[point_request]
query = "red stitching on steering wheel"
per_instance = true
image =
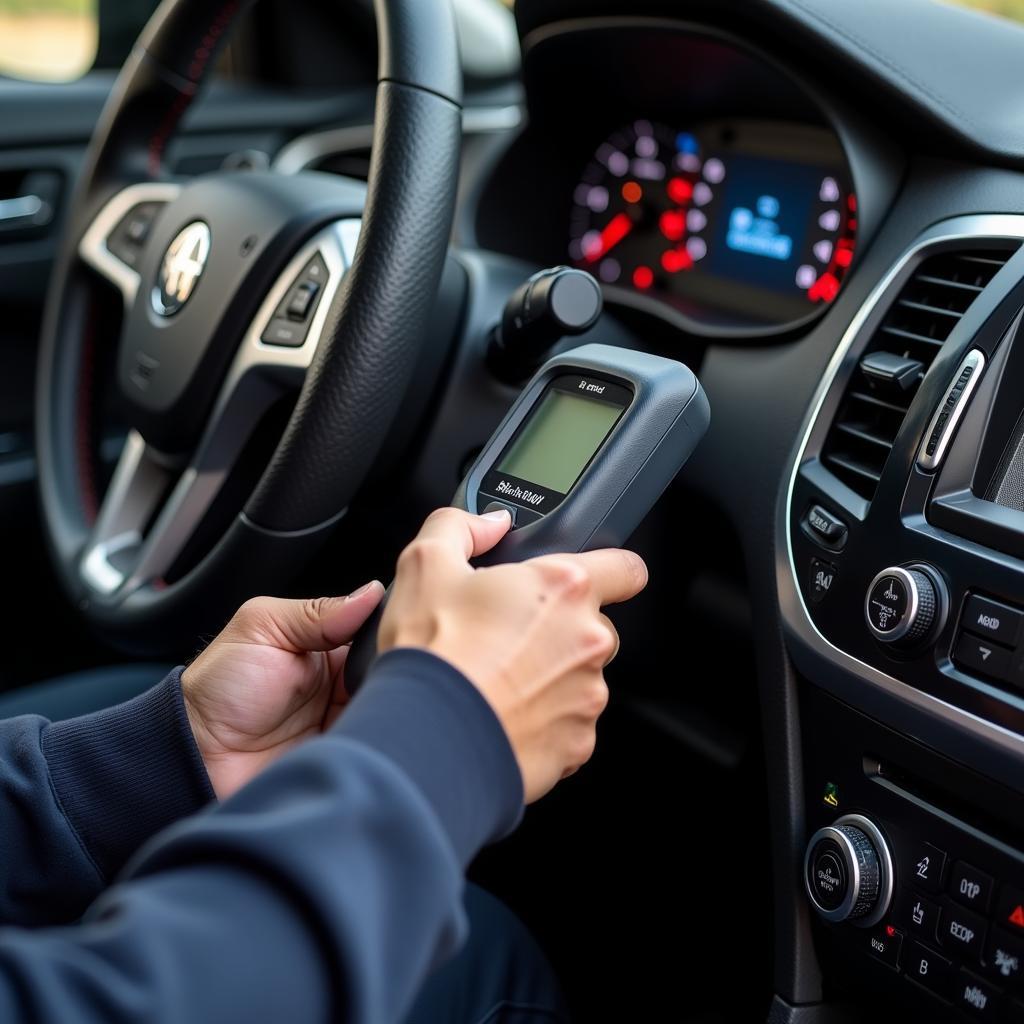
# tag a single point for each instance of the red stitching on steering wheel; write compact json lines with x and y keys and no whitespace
{"x":197,"y":68}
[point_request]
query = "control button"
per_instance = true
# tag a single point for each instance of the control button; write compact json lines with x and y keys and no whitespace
{"x":1004,"y":958}
{"x":919,"y":914}
{"x":500,"y":506}
{"x":901,"y":605}
{"x":848,"y":871}
{"x":929,"y":968}
{"x":984,"y":656}
{"x":284,"y":332}
{"x":301,"y":299}
{"x":1010,"y":909}
{"x":974,"y":995}
{"x":820,"y":579}
{"x":963,"y":931}
{"x":126,"y":240}
{"x":971,"y":887}
{"x":924,"y":867}
{"x":884,"y":945}
{"x":821,"y":526}
{"x":992,"y":620}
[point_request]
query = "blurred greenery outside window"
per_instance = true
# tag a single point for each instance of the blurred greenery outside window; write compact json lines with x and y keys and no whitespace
{"x":60,"y":40}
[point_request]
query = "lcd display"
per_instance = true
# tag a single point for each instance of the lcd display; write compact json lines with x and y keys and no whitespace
{"x":559,"y":439}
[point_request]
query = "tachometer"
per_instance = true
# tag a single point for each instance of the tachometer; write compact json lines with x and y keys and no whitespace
{"x":638,"y":214}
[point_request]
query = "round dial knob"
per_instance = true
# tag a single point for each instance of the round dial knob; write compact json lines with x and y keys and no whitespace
{"x":848,"y":871}
{"x":902,"y":605}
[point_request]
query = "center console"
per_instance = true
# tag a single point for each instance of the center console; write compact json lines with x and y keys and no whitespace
{"x":903,"y":600}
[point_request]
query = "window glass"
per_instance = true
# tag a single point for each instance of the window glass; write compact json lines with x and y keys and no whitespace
{"x":48,"y":40}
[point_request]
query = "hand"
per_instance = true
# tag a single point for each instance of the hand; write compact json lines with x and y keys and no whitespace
{"x":530,"y":636}
{"x":272,"y":678}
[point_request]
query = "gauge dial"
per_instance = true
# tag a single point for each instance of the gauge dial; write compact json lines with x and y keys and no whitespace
{"x":638,"y":214}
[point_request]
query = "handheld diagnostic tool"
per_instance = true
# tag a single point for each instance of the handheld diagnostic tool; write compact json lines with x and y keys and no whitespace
{"x":580,"y":458}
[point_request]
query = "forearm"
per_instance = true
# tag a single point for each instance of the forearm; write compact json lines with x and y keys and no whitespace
{"x":326,"y":889}
{"x":78,"y":798}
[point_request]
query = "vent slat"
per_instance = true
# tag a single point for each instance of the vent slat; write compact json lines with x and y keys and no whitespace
{"x":922,"y":316}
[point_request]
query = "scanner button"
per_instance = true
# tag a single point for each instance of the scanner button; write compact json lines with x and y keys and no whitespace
{"x":498,"y":506}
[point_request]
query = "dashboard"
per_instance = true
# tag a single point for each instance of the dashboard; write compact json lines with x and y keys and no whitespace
{"x":753,"y":218}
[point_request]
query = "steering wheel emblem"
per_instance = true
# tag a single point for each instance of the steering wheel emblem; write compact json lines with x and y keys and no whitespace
{"x":182,"y":266}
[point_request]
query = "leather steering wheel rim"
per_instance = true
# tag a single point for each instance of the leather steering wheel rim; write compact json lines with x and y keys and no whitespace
{"x":362,"y":365}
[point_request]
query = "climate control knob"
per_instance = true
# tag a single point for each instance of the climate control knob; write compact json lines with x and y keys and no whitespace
{"x":902,"y":605}
{"x":848,"y":871}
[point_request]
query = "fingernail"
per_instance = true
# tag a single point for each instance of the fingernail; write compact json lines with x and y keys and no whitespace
{"x":499,"y":515}
{"x":363,"y":589}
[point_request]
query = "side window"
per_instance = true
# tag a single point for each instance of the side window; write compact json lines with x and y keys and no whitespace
{"x":60,"y":40}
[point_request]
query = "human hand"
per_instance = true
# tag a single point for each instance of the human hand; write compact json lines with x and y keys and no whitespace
{"x":273,"y":677}
{"x":530,"y":635}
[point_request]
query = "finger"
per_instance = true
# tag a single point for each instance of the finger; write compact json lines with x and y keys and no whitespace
{"x":465,"y":533}
{"x":617,"y":574}
{"x":618,"y":640}
{"x":314,"y":624}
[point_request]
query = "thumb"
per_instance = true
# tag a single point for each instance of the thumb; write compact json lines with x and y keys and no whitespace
{"x":313,"y":624}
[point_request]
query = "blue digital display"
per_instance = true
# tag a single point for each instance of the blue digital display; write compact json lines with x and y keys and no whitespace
{"x":763,"y":218}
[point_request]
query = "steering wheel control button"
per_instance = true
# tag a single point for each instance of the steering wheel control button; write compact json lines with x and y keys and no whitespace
{"x":901,"y":606}
{"x":992,"y":620}
{"x":848,"y":872}
{"x":975,"y":996}
{"x":984,"y":657}
{"x":884,"y":944}
{"x":963,"y":931}
{"x":131,"y":232}
{"x":284,"y":332}
{"x":820,"y":578}
{"x":824,"y":528}
{"x":928,"y":968}
{"x":500,"y":506}
{"x":301,"y":299}
{"x":925,"y":867}
{"x":971,"y":887}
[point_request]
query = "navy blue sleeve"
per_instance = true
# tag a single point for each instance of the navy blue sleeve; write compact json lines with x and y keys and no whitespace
{"x":78,"y":798}
{"x":326,"y":889}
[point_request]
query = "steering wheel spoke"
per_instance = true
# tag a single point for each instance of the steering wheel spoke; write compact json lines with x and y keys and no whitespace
{"x":114,"y":242}
{"x":155,"y":503}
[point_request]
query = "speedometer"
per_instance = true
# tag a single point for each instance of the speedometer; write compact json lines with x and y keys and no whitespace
{"x":638,"y":214}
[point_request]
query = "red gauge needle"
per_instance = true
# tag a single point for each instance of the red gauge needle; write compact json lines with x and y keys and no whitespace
{"x":614,"y":232}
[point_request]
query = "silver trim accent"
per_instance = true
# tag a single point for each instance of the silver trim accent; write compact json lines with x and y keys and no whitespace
{"x":92,"y":249}
{"x":886,"y":874}
{"x":976,"y":359}
{"x":912,"y":609}
{"x":306,"y":150}
{"x":256,"y":377}
{"x":793,"y":607}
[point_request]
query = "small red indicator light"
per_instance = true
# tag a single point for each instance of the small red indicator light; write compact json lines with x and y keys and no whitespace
{"x":643,"y":278}
{"x":890,"y":931}
{"x":632,"y":192}
{"x":673,"y":225}
{"x":1017,"y":917}
{"x":679,"y":190}
{"x":674,"y":260}
{"x":825,"y":289}
{"x":844,"y":257}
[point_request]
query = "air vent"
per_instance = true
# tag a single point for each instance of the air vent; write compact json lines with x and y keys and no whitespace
{"x":906,"y":343}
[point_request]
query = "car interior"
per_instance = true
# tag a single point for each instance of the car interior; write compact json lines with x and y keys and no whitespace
{"x":253,"y":287}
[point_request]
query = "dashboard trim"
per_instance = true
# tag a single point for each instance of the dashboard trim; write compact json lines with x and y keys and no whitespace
{"x":793,"y":607}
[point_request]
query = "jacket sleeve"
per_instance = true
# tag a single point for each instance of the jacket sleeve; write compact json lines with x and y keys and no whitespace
{"x":326,"y":889}
{"x":78,"y":798}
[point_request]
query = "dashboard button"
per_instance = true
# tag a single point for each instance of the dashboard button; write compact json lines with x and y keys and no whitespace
{"x":992,"y":620}
{"x":1004,"y":958}
{"x":919,"y":914}
{"x":984,"y":656}
{"x":975,"y":996}
{"x":884,"y":944}
{"x":924,"y":866}
{"x":971,"y":887}
{"x":963,"y":931}
{"x":500,"y":506}
{"x":284,"y":332}
{"x":929,"y":968}
{"x":820,"y":578}
{"x":824,"y":527}
{"x":1010,"y":909}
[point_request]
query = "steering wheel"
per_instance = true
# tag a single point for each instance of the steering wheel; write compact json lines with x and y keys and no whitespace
{"x":236,"y":288}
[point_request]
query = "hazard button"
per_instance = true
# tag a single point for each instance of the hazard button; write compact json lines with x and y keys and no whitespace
{"x":1010,"y":908}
